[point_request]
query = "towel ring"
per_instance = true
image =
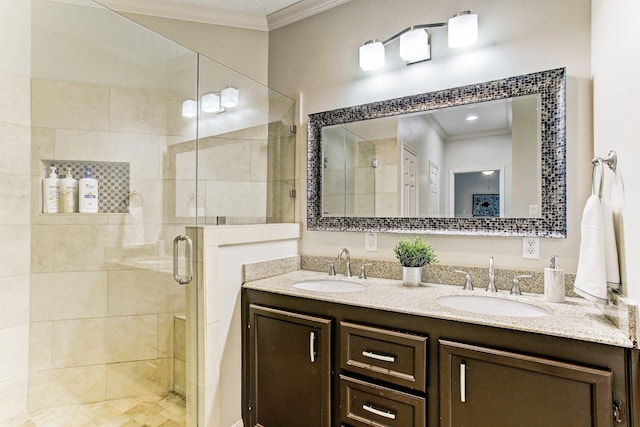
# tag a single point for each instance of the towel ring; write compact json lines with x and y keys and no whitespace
{"x":135,"y":195}
{"x":612,"y":161}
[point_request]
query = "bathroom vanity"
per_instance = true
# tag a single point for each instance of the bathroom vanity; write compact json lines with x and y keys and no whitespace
{"x":391,"y":356}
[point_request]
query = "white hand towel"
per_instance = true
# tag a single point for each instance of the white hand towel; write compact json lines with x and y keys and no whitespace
{"x":612,"y":267}
{"x":591,"y":282}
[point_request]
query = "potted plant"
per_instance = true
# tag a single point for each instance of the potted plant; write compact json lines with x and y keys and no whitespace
{"x":414,"y":254}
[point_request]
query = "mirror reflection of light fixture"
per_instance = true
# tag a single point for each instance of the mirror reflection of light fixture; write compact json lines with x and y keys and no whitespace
{"x":487,"y":172}
{"x":471,"y":117}
{"x":189,"y":108}
{"x":414,"y":41}
{"x":210,"y":103}
{"x":229,"y":97}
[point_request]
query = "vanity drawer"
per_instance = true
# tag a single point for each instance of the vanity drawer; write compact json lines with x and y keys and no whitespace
{"x":396,"y":357}
{"x":364,"y":404}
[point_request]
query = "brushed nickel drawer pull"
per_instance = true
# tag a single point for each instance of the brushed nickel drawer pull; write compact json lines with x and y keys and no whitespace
{"x":312,"y":347}
{"x":382,"y":357}
{"x":385,"y":414}
{"x":463,"y":382}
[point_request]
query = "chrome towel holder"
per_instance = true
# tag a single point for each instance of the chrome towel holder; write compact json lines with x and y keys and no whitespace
{"x":612,"y":161}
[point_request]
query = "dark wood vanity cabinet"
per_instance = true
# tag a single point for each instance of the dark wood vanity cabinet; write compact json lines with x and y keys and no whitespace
{"x":380,"y":368}
{"x":289,"y":368}
{"x":482,"y":386}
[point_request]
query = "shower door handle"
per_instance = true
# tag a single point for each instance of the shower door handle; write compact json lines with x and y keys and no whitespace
{"x":188,"y":249}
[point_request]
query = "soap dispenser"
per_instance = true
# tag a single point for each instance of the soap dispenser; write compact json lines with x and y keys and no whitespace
{"x":554,"y":281}
{"x":50,"y":195}
{"x":68,"y":193}
{"x":88,"y":193}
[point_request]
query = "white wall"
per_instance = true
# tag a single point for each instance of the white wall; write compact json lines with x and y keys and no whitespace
{"x":616,"y":67}
{"x":319,"y":57}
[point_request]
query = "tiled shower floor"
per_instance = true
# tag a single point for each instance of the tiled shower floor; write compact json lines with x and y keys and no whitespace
{"x":155,"y":410}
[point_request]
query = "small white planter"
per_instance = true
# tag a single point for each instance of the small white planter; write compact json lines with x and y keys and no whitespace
{"x":411,"y":276}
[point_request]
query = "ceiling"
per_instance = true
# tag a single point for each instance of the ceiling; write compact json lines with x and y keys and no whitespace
{"x":261,"y":15}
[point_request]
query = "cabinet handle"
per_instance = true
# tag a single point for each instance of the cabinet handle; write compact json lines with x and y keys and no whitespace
{"x":463,"y":382}
{"x":312,"y":347}
{"x":385,"y":414}
{"x":382,"y":357}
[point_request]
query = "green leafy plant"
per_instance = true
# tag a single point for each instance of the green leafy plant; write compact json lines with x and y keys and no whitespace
{"x":414,"y":252}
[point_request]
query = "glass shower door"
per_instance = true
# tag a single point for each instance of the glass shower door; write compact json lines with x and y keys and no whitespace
{"x":112,"y":333}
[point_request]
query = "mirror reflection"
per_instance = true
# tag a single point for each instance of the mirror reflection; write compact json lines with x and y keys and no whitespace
{"x":416,"y":164}
{"x":475,"y":160}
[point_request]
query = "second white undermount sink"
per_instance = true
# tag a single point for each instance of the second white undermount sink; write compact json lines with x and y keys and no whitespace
{"x":493,"y":306}
{"x":329,"y":286}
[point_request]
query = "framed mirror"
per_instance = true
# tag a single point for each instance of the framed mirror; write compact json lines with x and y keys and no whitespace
{"x":482,"y":159}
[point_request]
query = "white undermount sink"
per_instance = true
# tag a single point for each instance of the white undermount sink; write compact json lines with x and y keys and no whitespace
{"x":329,"y":286}
{"x":493,"y":306}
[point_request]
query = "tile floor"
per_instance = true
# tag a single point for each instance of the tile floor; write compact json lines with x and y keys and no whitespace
{"x":156,"y":410}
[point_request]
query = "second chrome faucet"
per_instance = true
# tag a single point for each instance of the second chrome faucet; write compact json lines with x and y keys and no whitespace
{"x":345,"y":251}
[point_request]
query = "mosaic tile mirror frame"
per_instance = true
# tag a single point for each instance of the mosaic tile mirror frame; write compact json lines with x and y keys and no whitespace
{"x":549,"y":85}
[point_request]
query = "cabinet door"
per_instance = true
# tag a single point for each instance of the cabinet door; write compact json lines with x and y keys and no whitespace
{"x":483,"y":387}
{"x":290,"y":369}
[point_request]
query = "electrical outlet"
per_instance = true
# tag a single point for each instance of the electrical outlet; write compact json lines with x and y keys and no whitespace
{"x":531,"y":248}
{"x":371,"y":242}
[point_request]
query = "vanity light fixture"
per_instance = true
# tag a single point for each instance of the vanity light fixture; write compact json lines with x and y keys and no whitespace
{"x":229,"y":97}
{"x":189,"y":108}
{"x":212,"y":102}
{"x":414,"y":41}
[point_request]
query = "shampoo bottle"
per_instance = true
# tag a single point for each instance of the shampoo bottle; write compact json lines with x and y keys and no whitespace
{"x":68,"y":193}
{"x":554,"y":281}
{"x":88,"y":193}
{"x":50,"y":197}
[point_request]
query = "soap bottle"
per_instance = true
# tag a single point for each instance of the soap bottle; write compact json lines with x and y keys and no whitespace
{"x":50,"y":195}
{"x":68,"y":193}
{"x":88,"y":193}
{"x":554,"y":281}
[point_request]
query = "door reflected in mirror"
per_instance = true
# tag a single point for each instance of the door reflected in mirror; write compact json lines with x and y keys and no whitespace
{"x":434,"y":163}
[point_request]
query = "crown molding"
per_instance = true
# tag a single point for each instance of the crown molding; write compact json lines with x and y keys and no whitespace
{"x":208,"y":15}
{"x":299,"y":11}
{"x":195,"y":13}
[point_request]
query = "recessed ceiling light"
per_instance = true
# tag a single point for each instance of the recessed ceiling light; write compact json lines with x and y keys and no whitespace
{"x":471,"y":117}
{"x":487,"y":173}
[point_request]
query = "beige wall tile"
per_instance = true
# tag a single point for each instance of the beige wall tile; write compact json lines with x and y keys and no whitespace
{"x":42,"y":248}
{"x":65,"y":105}
{"x":136,"y":378}
{"x":69,"y":386}
{"x":229,"y":162}
{"x":14,"y":396}
{"x":236,"y":198}
{"x":166,"y":331}
{"x":15,"y":99}
{"x":78,"y":342}
{"x":14,"y":257}
{"x":179,"y":377}
{"x":15,"y":199}
{"x":40,"y":347}
{"x":144,"y":152}
{"x":15,"y":142}
{"x":259,"y":160}
{"x":42,"y":147}
{"x":131,"y":338}
{"x":143,"y":291}
{"x":138,"y":110}
{"x":14,"y":293}
{"x":14,"y":351}
{"x":60,"y":296}
{"x":82,"y":247}
{"x":179,"y":341}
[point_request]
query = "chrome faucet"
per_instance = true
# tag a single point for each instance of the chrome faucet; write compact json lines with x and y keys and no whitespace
{"x":491,"y":287}
{"x":347,"y":271}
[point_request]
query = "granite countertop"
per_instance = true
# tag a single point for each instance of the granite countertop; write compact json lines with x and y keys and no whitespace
{"x":576,"y":318}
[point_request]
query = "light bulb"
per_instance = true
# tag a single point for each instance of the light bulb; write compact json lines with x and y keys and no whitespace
{"x":372,"y":55}
{"x":463,"y":29}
